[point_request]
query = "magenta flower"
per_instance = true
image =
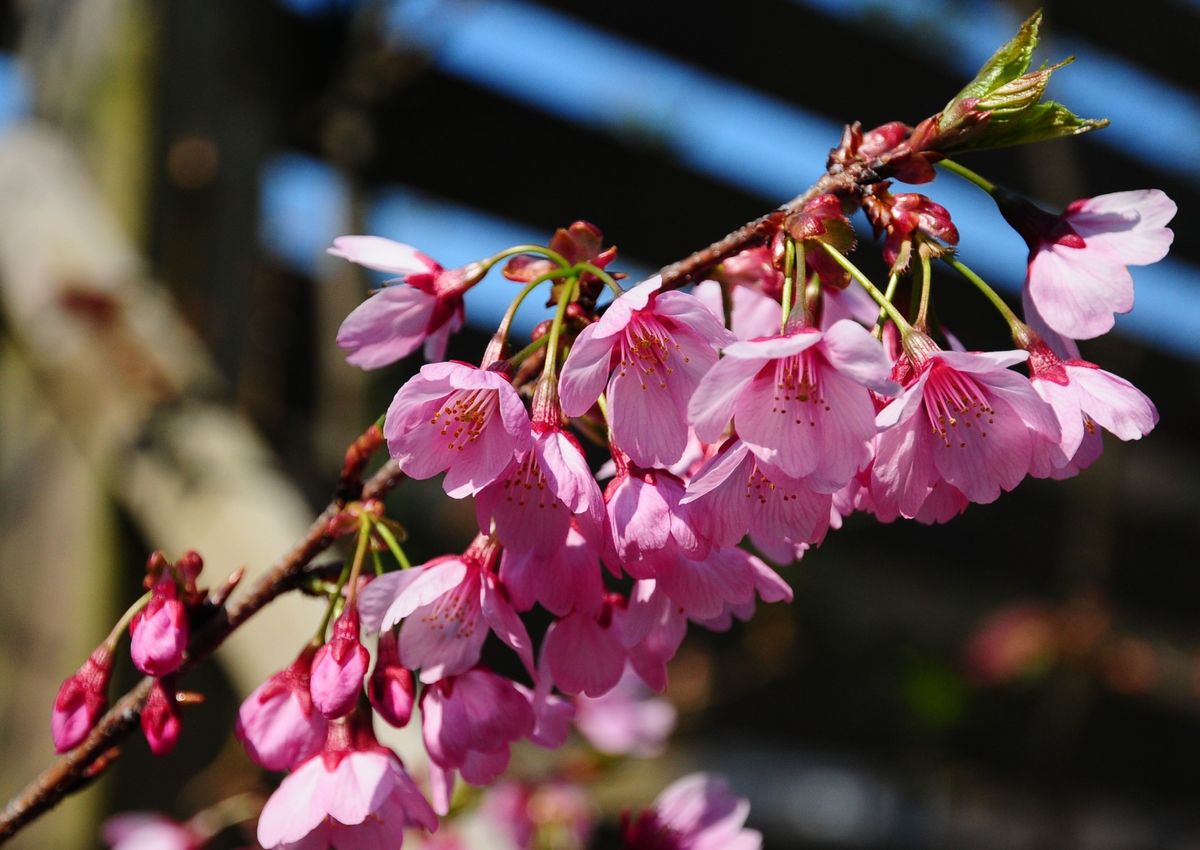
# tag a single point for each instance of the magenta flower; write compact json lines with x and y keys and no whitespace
{"x":754,"y":314}
{"x":583,"y":652}
{"x":1078,"y":276}
{"x":1083,"y":396}
{"x":697,"y":812}
{"x":354,"y":794}
{"x":734,"y":493}
{"x":799,"y":401}
{"x":628,"y":720}
{"x":339,"y":667}
{"x":652,"y":629}
{"x":161,"y":723}
{"x":769,"y":586}
{"x":159,"y":632}
{"x":533,"y":503}
{"x":148,"y":831}
{"x":565,"y":580}
{"x":651,"y":350}
{"x":81,"y":699}
{"x":447,"y":607}
{"x":965,"y":419}
{"x":277,"y":723}
{"x":468,"y":722}
{"x":454,"y":417}
{"x":648,"y":527}
{"x":390,"y":688}
{"x":424,"y":306}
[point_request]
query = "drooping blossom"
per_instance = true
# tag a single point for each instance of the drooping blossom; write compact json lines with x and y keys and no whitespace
{"x":339,"y":667}
{"x":648,"y":527}
{"x":769,"y":587}
{"x":650,"y":348}
{"x":734,"y":493}
{"x":565,"y":580}
{"x":457,"y":418}
{"x":161,"y":723}
{"x":964,"y":418}
{"x":159,"y":632}
{"x":447,"y":606}
{"x":1083,"y":396}
{"x":533,"y":503}
{"x":353,"y":794}
{"x":425,"y":304}
{"x":582,"y":651}
{"x":467,"y":724}
{"x":628,"y":720}
{"x":81,"y":700}
{"x":1077,"y":275}
{"x":148,"y":831}
{"x":552,"y":813}
{"x":278,"y":724}
{"x":697,"y":812}
{"x":652,"y":628}
{"x":391,"y":689}
{"x":753,"y":313}
{"x":800,"y":401}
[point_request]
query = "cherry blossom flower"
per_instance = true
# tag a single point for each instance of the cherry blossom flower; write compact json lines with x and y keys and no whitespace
{"x":697,"y":812}
{"x":81,"y":699}
{"x":734,"y":493}
{"x":1077,"y":275}
{"x":565,"y":580}
{"x":1083,"y":396}
{"x":754,"y":314}
{"x":648,"y":527}
{"x":965,"y":419}
{"x":159,"y":632}
{"x":467,"y":723}
{"x":452,"y":417}
{"x":651,"y":349}
{"x":533,"y":503}
{"x":277,"y":723}
{"x":424,"y":306}
{"x":447,"y":607}
{"x":148,"y":831}
{"x":339,"y":667}
{"x":555,"y":813}
{"x":628,"y":720}
{"x":583,"y":653}
{"x":799,"y":401}
{"x":355,"y":793}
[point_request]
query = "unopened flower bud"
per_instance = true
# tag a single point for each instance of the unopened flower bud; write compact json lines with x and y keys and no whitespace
{"x":80,"y":701}
{"x":161,"y":722}
{"x":390,"y":688}
{"x":339,"y":667}
{"x":159,"y":631}
{"x":277,"y":723}
{"x":189,"y":567}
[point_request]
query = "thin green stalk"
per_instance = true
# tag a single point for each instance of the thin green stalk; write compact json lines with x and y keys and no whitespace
{"x":564,"y":298}
{"x":608,"y":279}
{"x":1014,"y":323}
{"x":511,"y":312}
{"x":923,"y":309}
{"x":393,"y":545}
{"x":525,"y":353}
{"x":115,"y":635}
{"x":542,"y":250}
{"x":968,"y":175}
{"x":789,"y":283}
{"x":901,"y":323}
{"x":889,"y":294}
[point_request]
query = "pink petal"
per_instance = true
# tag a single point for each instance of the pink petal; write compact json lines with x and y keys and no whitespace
{"x":1077,"y":290}
{"x":505,"y":622}
{"x":358,"y":787}
{"x":853,"y":352}
{"x":382,"y":255}
{"x":583,"y":655}
{"x":711,"y":405}
{"x":424,"y":585}
{"x":1117,"y":405}
{"x":386,"y":327}
{"x":1131,"y":225}
{"x":585,"y":371}
{"x":297,"y":806}
{"x":690,"y":311}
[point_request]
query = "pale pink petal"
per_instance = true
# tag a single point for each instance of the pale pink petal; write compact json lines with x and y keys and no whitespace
{"x":358,"y":786}
{"x":620,"y":312}
{"x":505,"y":622}
{"x":585,"y":371}
{"x":433,"y":580}
{"x":647,"y":422}
{"x":382,"y":255}
{"x":690,"y":311}
{"x":297,"y":806}
{"x":853,"y":352}
{"x":1131,"y":225}
{"x":992,"y":456}
{"x":711,"y":406}
{"x":387,"y":327}
{"x":1117,"y":405}
{"x":583,"y":655}
{"x":1077,"y":290}
{"x":703,"y":588}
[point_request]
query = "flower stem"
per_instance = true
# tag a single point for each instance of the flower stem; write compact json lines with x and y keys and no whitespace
{"x":889,"y":294}
{"x":115,"y":635}
{"x":393,"y":545}
{"x":608,"y":279}
{"x":968,"y":175}
{"x":789,"y":283}
{"x":901,"y":323}
{"x":564,"y":298}
{"x":1009,"y":316}
{"x":360,"y":551}
{"x":526,"y":352}
{"x":511,"y":312}
{"x":541,"y":250}
{"x":923,"y":310}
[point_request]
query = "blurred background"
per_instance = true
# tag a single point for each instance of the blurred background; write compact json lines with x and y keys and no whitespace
{"x":171,"y":173}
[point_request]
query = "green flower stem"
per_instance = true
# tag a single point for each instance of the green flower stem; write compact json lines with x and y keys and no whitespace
{"x":511,"y":312}
{"x":889,"y":294}
{"x":393,"y":545}
{"x":540,"y":250}
{"x":564,"y":298}
{"x":122,"y":624}
{"x":923,"y":309}
{"x":1014,"y":323}
{"x":789,"y":283}
{"x":526,"y":352}
{"x":608,"y":279}
{"x":968,"y":175}
{"x":901,"y":323}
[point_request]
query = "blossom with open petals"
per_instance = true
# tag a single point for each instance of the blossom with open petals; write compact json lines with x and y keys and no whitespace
{"x":278,"y":724}
{"x":697,"y":812}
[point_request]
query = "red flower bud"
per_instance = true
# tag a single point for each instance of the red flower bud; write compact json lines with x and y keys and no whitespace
{"x":391,"y":688}
{"x":161,"y":722}
{"x":339,"y":667}
{"x":159,"y":631}
{"x":80,"y":701}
